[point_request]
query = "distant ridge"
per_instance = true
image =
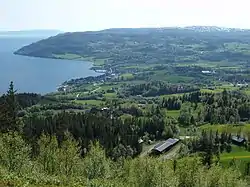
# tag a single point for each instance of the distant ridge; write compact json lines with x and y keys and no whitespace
{"x":213,"y":28}
{"x":198,"y":28}
{"x":30,"y":33}
{"x":146,"y":45}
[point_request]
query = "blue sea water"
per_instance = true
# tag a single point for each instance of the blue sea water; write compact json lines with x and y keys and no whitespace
{"x":31,"y":74}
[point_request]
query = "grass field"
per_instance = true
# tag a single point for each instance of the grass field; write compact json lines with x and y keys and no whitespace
{"x":239,"y":155}
{"x":177,"y":79}
{"x":110,"y":95}
{"x":67,"y":56}
{"x":95,"y":61}
{"x":161,"y":75}
{"x":219,"y":89}
{"x":90,"y":102}
{"x":204,"y":64}
{"x":228,"y":128}
{"x":127,"y":76}
{"x":173,"y":113}
{"x":99,"y":62}
{"x":246,"y":91}
{"x":172,"y":95}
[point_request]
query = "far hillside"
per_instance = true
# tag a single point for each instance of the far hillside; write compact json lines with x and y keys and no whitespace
{"x":142,"y":46}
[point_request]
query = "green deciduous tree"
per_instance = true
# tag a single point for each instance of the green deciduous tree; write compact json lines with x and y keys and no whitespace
{"x":69,"y":155}
{"x":14,"y":152}
{"x":95,"y":164}
{"x":49,"y":154}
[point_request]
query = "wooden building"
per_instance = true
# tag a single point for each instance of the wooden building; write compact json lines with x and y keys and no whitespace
{"x":164,"y":146}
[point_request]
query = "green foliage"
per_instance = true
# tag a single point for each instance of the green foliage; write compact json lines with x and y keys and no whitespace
{"x":90,"y":102}
{"x":69,"y":155}
{"x":186,"y":117}
{"x":149,"y":172}
{"x":95,"y":163}
{"x":210,"y":146}
{"x":49,"y":154}
{"x":8,"y":111}
{"x":64,"y":167}
{"x":166,"y":45}
{"x":156,"y":88}
{"x":55,"y":159}
{"x":189,"y":173}
{"x":234,"y":129}
{"x":216,"y":176}
{"x":68,"y":56}
{"x":58,"y":159}
{"x":14,"y":152}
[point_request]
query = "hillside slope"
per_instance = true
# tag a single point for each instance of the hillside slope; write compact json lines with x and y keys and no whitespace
{"x":147,"y":45}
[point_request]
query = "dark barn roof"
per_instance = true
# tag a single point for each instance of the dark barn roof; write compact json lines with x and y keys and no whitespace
{"x":238,"y":139}
{"x":164,"y":145}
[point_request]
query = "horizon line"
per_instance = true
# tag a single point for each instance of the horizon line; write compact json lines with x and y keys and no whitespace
{"x":143,"y":27}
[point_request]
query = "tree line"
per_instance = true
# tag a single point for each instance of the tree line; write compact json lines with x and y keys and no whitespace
{"x":198,"y":108}
{"x":156,"y":88}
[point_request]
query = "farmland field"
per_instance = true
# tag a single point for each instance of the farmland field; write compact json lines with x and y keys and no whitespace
{"x":90,"y":102}
{"x":173,"y":113}
{"x":235,"y":129}
{"x":239,"y":156}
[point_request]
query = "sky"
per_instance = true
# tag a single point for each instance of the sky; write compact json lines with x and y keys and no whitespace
{"x":88,"y":15}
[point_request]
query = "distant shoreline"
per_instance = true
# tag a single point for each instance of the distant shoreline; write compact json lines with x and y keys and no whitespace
{"x":97,"y":69}
{"x":46,"y":57}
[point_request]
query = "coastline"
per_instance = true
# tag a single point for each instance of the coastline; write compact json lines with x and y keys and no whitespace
{"x":97,"y":69}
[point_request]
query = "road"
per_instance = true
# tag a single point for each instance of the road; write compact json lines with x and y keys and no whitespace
{"x":77,"y":96}
{"x":95,"y":90}
{"x":92,"y":90}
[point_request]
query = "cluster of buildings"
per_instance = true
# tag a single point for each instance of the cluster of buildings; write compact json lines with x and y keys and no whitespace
{"x":208,"y":72}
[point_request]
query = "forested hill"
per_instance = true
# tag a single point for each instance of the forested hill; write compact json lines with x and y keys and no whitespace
{"x":147,"y":45}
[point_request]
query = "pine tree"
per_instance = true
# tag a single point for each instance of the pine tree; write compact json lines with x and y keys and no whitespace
{"x":207,"y":146}
{"x":174,"y":165}
{"x":217,"y":145}
{"x":9,"y":109}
